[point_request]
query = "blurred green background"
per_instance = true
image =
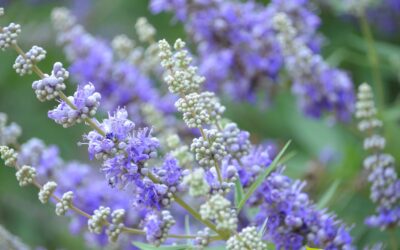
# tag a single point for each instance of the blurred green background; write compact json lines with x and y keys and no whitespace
{"x":312,"y":141}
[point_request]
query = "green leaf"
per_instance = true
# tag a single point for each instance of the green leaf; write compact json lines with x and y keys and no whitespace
{"x":310,"y":248}
{"x":145,"y":246}
{"x":328,"y":195}
{"x":263,"y":228}
{"x":239,"y":192}
{"x":262,"y":177}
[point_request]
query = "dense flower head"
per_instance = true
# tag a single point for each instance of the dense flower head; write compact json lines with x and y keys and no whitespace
{"x":99,"y":219}
{"x":237,"y":142}
{"x":65,"y":203}
{"x":251,"y":165}
{"x":8,"y":35}
{"x":170,"y":173}
{"x":86,"y":101}
{"x":219,"y":209}
{"x":8,"y":133}
{"x":181,"y":77}
{"x":293,"y":221}
{"x":248,"y":238}
{"x":200,"y":109}
{"x":145,"y":30}
{"x":45,"y":159}
{"x":156,"y":226}
{"x":26,"y":175}
{"x":48,"y":88}
{"x":47,"y":191}
{"x":24,"y":64}
{"x":196,"y":182}
{"x":385,"y":184}
{"x":319,"y":88}
{"x":210,"y":149}
{"x":123,"y":149}
{"x":117,"y":223}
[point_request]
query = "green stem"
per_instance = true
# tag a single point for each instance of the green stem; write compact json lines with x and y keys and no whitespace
{"x":197,"y":216}
{"x":373,"y":59}
{"x":191,"y":211}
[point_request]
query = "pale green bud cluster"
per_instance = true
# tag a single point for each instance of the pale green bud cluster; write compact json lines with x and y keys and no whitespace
{"x":196,"y":182}
{"x":62,"y":19}
{"x":366,"y":112}
{"x":145,"y":30}
{"x":248,"y":239}
{"x":116,"y":225}
{"x":25,"y":175}
{"x":65,"y":203}
{"x":122,"y":45}
{"x":202,"y":239}
{"x":8,"y":35}
{"x":8,"y":155}
{"x":208,"y":151}
{"x":99,"y":219}
{"x":24,"y":64}
{"x":181,"y":77}
{"x":47,"y":191}
{"x":218,"y":209}
{"x":200,"y":109}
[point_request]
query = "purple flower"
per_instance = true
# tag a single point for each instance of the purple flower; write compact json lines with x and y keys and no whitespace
{"x":293,"y":221}
{"x":86,"y":101}
{"x":123,"y":149}
{"x":45,"y":159}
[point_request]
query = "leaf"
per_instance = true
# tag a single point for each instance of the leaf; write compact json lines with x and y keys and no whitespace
{"x":310,"y":248}
{"x":263,"y":228}
{"x":145,"y":246}
{"x":328,"y":195}
{"x":239,"y":192}
{"x":262,"y":177}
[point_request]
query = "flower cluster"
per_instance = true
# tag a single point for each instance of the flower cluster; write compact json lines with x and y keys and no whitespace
{"x":85,"y":100}
{"x":219,"y":209}
{"x":8,"y":35}
{"x":25,"y":175}
{"x":48,"y":88}
{"x":24,"y":64}
{"x":157,"y":225}
{"x":123,"y":148}
{"x":319,"y":87}
{"x":153,"y":175}
{"x":120,"y":83}
{"x":248,"y":238}
{"x":237,"y":51}
{"x":8,"y":133}
{"x":293,"y":220}
{"x":385,"y":184}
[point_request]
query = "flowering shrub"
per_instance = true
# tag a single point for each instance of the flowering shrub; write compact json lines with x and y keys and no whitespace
{"x":168,"y":168}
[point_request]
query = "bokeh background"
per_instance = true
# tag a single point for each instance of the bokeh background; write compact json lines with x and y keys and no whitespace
{"x":326,"y":154}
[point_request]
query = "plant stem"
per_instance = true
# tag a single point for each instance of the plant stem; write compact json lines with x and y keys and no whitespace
{"x":191,"y":211}
{"x":373,"y":59}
